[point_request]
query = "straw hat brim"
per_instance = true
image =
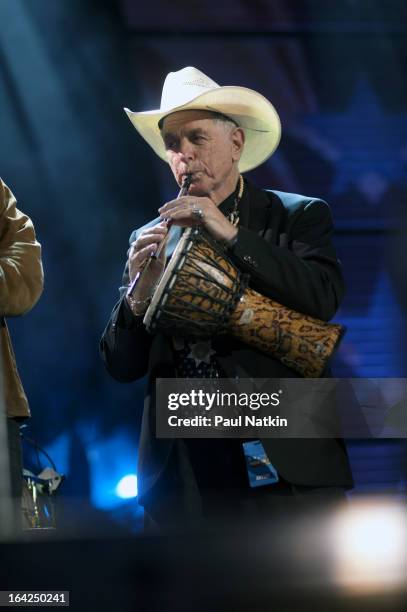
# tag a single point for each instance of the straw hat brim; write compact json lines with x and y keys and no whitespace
{"x":248,"y":108}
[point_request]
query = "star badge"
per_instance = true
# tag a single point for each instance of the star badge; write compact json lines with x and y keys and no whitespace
{"x":201,"y":352}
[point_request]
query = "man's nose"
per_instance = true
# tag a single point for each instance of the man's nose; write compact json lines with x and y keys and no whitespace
{"x":186,"y":150}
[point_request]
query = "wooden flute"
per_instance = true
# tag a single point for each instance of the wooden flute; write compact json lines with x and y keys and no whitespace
{"x":186,"y":183}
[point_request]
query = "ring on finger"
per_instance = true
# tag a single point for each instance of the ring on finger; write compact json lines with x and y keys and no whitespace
{"x":197,"y":213}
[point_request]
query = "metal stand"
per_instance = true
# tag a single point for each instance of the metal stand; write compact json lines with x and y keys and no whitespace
{"x":7,"y":510}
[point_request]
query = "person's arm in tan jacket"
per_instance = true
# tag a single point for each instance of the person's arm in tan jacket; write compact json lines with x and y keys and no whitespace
{"x":21,"y":273}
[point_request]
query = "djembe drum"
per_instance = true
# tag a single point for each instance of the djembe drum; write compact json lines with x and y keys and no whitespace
{"x":202,"y":293}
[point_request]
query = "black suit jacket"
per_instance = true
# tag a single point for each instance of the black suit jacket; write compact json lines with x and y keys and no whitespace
{"x":284,"y":243}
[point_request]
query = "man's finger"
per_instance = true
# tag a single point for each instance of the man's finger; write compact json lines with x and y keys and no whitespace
{"x":143,"y":241}
{"x":184,"y":202}
{"x":176,"y":212}
{"x":138,"y":257}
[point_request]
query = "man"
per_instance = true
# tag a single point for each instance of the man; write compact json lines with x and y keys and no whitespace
{"x":281,"y":240}
{"x":21,"y":284}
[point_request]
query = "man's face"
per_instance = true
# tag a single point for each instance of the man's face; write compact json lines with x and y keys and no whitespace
{"x":208,"y":149}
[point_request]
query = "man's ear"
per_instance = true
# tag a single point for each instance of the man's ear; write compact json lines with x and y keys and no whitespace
{"x":238,"y":139}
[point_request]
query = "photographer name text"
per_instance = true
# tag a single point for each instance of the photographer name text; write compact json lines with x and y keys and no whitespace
{"x":227,"y":422}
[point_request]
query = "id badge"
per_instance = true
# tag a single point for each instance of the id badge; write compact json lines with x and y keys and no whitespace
{"x":259,"y":468}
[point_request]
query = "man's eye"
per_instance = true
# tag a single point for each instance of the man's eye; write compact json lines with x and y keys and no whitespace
{"x":170,"y":144}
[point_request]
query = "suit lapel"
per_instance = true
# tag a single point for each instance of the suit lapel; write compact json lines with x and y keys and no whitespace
{"x":263,"y":213}
{"x":255,"y":209}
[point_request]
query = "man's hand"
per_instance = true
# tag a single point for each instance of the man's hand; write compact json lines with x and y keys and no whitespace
{"x":139,"y":255}
{"x":181,"y":212}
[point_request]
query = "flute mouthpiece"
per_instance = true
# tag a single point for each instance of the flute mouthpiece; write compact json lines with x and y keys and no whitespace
{"x":187,"y":180}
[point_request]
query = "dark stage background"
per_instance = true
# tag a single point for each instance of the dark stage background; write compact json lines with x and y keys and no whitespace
{"x":335,"y":71}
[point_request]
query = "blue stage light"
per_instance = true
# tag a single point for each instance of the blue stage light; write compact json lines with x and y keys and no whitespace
{"x":127,"y":487}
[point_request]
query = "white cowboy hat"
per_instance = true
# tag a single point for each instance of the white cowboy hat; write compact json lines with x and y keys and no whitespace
{"x":190,"y":88}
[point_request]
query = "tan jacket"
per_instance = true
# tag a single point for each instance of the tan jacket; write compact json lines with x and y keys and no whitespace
{"x":21,"y":284}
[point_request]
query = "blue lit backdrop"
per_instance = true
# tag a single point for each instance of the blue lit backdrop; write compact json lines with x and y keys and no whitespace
{"x":80,"y":170}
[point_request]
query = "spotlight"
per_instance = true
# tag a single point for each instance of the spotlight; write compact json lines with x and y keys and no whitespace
{"x":127,"y":486}
{"x":369,"y":547}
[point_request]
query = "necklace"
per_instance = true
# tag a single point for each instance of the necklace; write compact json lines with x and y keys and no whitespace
{"x":233,"y":216}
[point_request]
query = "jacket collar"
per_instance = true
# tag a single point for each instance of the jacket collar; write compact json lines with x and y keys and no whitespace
{"x":255,"y":205}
